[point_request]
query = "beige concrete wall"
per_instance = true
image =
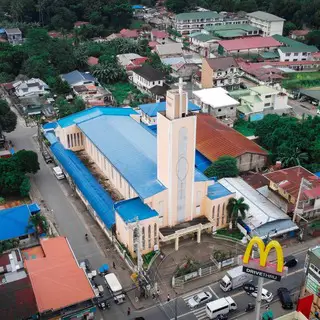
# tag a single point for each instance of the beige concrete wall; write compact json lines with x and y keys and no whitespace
{"x":251,"y":161}
{"x":206,"y":75}
{"x":159,"y":202}
{"x":71,"y":137}
{"x":149,"y":230}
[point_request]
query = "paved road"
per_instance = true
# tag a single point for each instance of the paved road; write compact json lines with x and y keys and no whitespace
{"x":168,"y":310}
{"x":299,"y":110}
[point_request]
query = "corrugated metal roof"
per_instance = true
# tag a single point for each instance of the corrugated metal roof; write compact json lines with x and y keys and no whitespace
{"x":134,"y":208}
{"x":264,"y":16}
{"x":94,"y":112}
{"x":14,"y":222}
{"x":249,"y":43}
{"x":202,"y":163}
{"x":98,"y":198}
{"x":215,"y":139}
{"x":130,"y":149}
{"x":173,"y":60}
{"x":197,"y":15}
{"x":151,"y":109}
{"x":76,"y":76}
{"x":217,"y":190}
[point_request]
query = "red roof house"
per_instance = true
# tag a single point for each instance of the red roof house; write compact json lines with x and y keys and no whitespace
{"x":92,"y":61}
{"x":79,"y":24}
{"x":159,"y":36}
{"x":131,"y":34}
{"x":215,"y":139}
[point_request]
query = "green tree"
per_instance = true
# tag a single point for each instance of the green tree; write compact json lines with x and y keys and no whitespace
{"x":117,"y":14}
{"x":26,"y":161}
{"x":236,"y":209}
{"x":292,"y":157}
{"x":8,"y":119}
{"x":39,"y":222}
{"x":58,"y":86}
{"x":225,"y":166}
{"x":25,"y":187}
{"x":313,"y":38}
{"x":64,"y":19}
{"x":288,"y":26}
{"x":108,"y":72}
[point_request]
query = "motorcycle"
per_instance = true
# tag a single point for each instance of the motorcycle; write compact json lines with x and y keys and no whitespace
{"x":250,"y":307}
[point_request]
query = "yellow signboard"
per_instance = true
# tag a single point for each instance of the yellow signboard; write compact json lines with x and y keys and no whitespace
{"x":264,"y":252}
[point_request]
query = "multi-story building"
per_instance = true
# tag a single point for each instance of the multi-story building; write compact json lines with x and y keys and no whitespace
{"x":14,"y":36}
{"x":268,"y":23}
{"x":190,"y":22}
{"x":220,"y":72}
{"x":312,"y":282}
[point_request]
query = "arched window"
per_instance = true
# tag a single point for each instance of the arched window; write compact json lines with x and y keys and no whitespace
{"x":155,"y":233}
{"x":149,"y":236}
{"x":213,"y":211}
{"x":143,"y":238}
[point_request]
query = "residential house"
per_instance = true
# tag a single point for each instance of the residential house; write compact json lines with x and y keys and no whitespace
{"x":31,"y":87}
{"x":312,"y":279}
{"x":215,"y":139}
{"x":77,"y":78}
{"x":299,"y":34}
{"x":149,"y":80}
{"x":129,"y":34}
{"x":14,"y":36}
{"x":190,"y":22}
{"x":169,"y":50}
{"x":218,"y":103}
{"x":54,"y":274}
{"x":256,"y":102}
{"x":295,"y":190}
{"x":293,"y":50}
{"x":231,"y":31}
{"x":184,"y":70}
{"x":93,"y":95}
{"x":158,"y":36}
{"x":247,"y":45}
{"x":79,"y":24}
{"x":131,"y":61}
{"x":149,"y":111}
{"x":267,"y":22}
{"x":220,"y":72}
{"x":203,"y":43}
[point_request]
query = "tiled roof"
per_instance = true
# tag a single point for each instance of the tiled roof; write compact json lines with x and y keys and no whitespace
{"x":215,"y":139}
{"x":159,"y":34}
{"x":249,"y":43}
{"x":127,"y":33}
{"x":264,"y":16}
{"x":152,"y":44}
{"x":300,"y":33}
{"x":223,"y":63}
{"x":56,"y":278}
{"x":290,"y":179}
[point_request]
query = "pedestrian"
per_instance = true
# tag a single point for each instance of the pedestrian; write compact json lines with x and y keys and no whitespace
{"x":128,"y":311}
{"x":168,"y":298}
{"x":153,"y":296}
{"x":114,"y":265}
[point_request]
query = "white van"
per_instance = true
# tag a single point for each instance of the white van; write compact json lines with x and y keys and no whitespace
{"x":220,"y":307}
{"x":57,"y":171}
{"x":115,"y":288}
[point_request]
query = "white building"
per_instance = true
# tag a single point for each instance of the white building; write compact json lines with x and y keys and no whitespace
{"x":218,"y":103}
{"x":296,"y":53}
{"x":169,"y":50}
{"x":268,"y":23}
{"x":31,"y":87}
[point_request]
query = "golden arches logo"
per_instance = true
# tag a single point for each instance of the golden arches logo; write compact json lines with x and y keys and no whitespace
{"x":264,"y":252}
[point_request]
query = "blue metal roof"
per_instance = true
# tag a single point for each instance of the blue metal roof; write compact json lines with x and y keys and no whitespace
{"x":14,"y":222}
{"x":134,"y":208}
{"x":50,"y":126}
{"x":51,"y":137}
{"x":34,"y":208}
{"x":98,"y":198}
{"x":173,"y":60}
{"x":217,"y":190}
{"x":151,"y":109}
{"x":137,"y":6}
{"x":91,"y":113}
{"x":317,"y":174}
{"x":129,"y":147}
{"x":202,"y":163}
{"x":76,"y":76}
{"x":2,"y":30}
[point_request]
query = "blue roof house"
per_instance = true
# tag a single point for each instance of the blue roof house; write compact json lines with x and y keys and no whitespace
{"x":14,"y":221}
{"x":149,"y":111}
{"x":77,"y":78}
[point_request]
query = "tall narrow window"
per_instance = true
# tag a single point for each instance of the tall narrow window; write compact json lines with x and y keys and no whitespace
{"x":223,"y":214}
{"x":149,"y":236}
{"x":68,"y":140}
{"x":81,"y":138}
{"x":112,"y":172}
{"x":155,"y":234}
{"x":143,"y":238}
{"x":120,"y":181}
{"x":218,"y":216}
{"x":71,"y":143}
{"x":78,"y":136}
{"x":213,"y":212}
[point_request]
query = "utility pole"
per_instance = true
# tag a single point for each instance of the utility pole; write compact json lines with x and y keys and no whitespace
{"x":259,"y":298}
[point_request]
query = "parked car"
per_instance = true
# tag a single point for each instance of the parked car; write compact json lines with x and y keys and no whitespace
{"x":46,"y":157}
{"x":266,"y":295}
{"x":199,"y":299}
{"x":290,"y":261}
{"x":285,"y":298}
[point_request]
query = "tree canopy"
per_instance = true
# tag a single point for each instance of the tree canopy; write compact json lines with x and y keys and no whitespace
{"x":8,"y":119}
{"x":225,"y":166}
{"x":236,"y":209}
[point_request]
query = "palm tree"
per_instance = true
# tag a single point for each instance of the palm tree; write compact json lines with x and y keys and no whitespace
{"x":236,"y":208}
{"x":294,"y":159}
{"x":39,"y":222}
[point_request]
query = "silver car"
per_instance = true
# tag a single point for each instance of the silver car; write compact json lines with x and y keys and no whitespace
{"x":199,"y":299}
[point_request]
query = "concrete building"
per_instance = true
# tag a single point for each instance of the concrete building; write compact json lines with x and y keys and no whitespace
{"x":312,"y":282}
{"x":215,"y":139}
{"x":218,"y":103}
{"x":295,"y":315}
{"x":189,"y":22}
{"x":232,"y":31}
{"x":203,"y":43}
{"x":268,"y":23}
{"x":220,"y":72}
{"x":299,"y":34}
{"x":131,"y":61}
{"x":77,"y":78}
{"x":158,"y":36}
{"x":296,"y":191}
{"x":31,"y":87}
{"x":256,"y":102}
{"x":169,"y":50}
{"x":14,"y":36}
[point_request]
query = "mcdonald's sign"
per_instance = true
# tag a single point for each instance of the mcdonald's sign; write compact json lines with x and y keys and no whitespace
{"x":264,"y":270}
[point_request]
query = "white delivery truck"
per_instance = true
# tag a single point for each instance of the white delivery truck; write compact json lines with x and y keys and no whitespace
{"x":220,"y":307}
{"x":57,"y":171}
{"x":115,"y":288}
{"x":235,"y":278}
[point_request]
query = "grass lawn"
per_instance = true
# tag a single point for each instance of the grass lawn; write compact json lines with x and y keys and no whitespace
{"x":121,"y":90}
{"x":136,"y":24}
{"x":245,"y":128}
{"x":235,"y":234}
{"x":301,"y":80}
